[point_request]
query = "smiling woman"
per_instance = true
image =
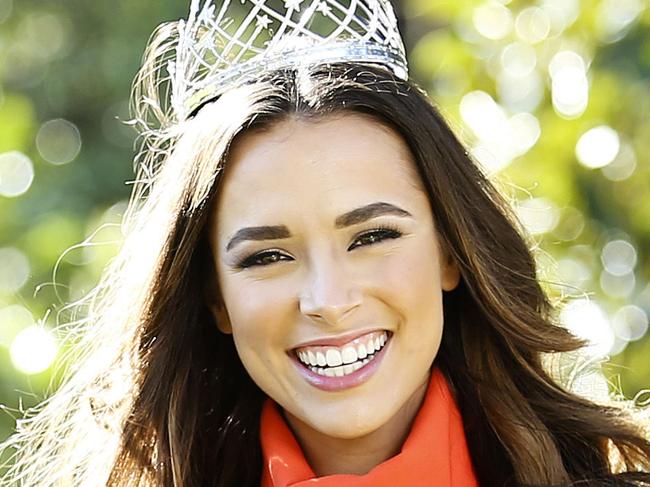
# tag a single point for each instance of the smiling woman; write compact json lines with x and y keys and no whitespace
{"x":317,"y":287}
{"x":300,"y":297}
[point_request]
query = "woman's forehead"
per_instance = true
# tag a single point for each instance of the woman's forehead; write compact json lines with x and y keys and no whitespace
{"x":348,"y":144}
{"x":334,"y":161}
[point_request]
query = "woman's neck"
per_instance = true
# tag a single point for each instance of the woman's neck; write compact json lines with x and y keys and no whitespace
{"x":328,"y":456}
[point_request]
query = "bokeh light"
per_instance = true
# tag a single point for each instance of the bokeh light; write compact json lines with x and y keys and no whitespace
{"x":623,"y":165}
{"x":481,"y":113}
{"x":561,"y":13}
{"x":524,"y":131}
{"x":16,"y":174}
{"x":492,"y":20}
{"x":630,"y":323}
{"x":614,"y":17}
{"x":538,"y":215}
{"x":33,"y":350}
{"x":500,"y":138}
{"x":518,"y":59}
{"x":40,"y":37}
{"x":569,"y":87}
{"x":619,"y":257}
{"x":586,"y":319}
{"x":58,"y":141}
{"x":571,"y":224}
{"x":617,"y":286}
{"x":520,"y":93}
{"x":597,"y":147}
{"x":533,"y":25}
{"x":573,"y":272}
{"x":14,"y":269}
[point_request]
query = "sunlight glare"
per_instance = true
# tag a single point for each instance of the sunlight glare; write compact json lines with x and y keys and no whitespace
{"x":33,"y":350}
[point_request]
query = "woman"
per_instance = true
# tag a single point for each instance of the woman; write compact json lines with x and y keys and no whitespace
{"x":275,"y":315}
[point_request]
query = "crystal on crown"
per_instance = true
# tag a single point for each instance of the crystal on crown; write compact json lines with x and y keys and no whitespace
{"x":214,"y":52}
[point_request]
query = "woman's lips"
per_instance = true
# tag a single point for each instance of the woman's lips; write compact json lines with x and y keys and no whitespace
{"x":338,"y":374}
{"x":339,"y":340}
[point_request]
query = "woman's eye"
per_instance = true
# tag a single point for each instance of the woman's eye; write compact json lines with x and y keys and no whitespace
{"x":269,"y":257}
{"x":375,"y":236}
{"x":263,"y":259}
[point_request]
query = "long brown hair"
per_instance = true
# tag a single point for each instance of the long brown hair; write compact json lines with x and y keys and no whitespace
{"x":186,"y":412}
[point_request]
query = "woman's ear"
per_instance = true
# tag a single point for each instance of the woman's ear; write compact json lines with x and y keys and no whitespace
{"x":220,"y":314}
{"x":215,"y":304}
{"x":449,"y":271}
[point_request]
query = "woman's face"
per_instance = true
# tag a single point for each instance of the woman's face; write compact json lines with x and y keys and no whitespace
{"x":325,"y":250}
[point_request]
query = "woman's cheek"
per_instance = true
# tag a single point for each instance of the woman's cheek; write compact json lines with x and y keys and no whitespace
{"x":258,"y":309}
{"x":405,"y":274}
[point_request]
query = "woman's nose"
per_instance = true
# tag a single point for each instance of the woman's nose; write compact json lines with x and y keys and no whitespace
{"x":330,"y":294}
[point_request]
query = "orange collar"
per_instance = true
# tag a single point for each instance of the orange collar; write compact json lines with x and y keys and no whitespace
{"x":434,"y":453}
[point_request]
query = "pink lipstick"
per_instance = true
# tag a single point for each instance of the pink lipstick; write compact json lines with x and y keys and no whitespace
{"x":331,"y":368}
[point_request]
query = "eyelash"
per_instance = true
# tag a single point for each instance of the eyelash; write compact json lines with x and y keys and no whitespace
{"x":384,"y":232}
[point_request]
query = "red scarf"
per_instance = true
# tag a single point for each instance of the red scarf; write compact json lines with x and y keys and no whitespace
{"x":434,"y":453}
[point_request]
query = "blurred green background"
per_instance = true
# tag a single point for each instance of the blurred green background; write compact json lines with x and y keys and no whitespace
{"x":551,"y":97}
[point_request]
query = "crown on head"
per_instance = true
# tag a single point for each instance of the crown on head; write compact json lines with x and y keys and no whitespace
{"x":214,"y":52}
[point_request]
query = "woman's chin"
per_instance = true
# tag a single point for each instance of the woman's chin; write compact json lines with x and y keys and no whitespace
{"x":340,"y":425}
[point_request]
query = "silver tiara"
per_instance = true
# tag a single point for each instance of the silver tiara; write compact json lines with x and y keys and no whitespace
{"x":214,"y":52}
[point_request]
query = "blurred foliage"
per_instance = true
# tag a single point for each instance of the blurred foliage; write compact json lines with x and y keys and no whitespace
{"x":492,"y":67}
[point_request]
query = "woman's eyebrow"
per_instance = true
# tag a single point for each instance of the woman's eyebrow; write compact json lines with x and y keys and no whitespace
{"x":373,"y":210}
{"x":268,"y":232}
{"x":353,"y":217}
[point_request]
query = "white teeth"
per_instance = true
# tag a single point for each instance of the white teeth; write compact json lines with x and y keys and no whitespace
{"x":333,"y":358}
{"x":349,"y":355}
{"x":341,"y":370}
{"x":312,"y":357}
